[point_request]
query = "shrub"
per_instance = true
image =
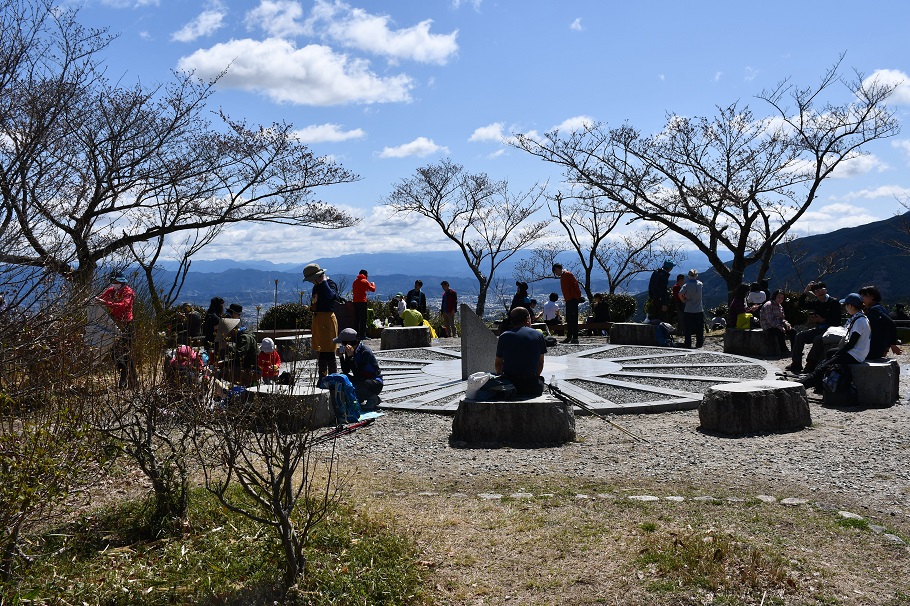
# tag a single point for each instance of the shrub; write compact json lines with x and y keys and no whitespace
{"x":622,"y":307}
{"x":286,"y":316}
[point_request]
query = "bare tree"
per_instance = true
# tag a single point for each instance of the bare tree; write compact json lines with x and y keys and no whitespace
{"x":287,"y":483}
{"x":732,"y":185}
{"x":635,"y":253}
{"x":818,"y":266}
{"x":89,"y":168}
{"x":487,"y":222}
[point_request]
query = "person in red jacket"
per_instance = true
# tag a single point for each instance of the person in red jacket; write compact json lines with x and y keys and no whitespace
{"x":360,"y":288}
{"x":268,"y":361}
{"x":118,"y":299}
{"x":571,"y":293}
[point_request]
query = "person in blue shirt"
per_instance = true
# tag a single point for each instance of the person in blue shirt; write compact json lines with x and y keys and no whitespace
{"x":520,"y":354}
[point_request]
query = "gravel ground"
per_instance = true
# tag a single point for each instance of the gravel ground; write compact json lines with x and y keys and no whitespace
{"x":854,"y":459}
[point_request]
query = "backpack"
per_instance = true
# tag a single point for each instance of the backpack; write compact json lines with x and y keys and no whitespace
{"x":837,"y":380}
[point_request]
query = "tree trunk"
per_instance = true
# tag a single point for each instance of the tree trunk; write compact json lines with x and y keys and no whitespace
{"x":482,"y":298}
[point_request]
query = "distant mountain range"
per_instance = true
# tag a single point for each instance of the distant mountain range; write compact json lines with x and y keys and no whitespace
{"x":863,"y":252}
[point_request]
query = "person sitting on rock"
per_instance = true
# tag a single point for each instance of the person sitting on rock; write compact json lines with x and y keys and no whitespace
{"x":411,"y":316}
{"x":825,"y":311}
{"x":774,"y":322}
{"x":520,"y":354}
{"x":360,"y":364}
{"x":884,"y":330}
{"x":854,"y":347}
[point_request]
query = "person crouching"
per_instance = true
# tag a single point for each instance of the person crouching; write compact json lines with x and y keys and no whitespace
{"x":360,"y":364}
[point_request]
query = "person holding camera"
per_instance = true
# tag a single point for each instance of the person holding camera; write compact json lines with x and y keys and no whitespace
{"x":360,"y":364}
{"x":571,"y":294}
{"x":824,"y":312}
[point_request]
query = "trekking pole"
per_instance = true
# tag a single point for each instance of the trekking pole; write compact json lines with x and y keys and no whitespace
{"x":341,"y":430}
{"x":556,"y":391}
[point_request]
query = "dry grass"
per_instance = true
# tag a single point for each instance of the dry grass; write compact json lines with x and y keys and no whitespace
{"x":569,"y":549}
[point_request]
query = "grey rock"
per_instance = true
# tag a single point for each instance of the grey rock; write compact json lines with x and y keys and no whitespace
{"x":540,"y":420}
{"x":738,"y":409}
{"x":478,"y":344}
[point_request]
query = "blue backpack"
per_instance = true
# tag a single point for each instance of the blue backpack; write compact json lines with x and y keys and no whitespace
{"x":344,"y":399}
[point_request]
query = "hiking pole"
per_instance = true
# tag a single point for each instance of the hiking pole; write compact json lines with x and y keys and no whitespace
{"x":556,"y":391}
{"x":341,"y":430}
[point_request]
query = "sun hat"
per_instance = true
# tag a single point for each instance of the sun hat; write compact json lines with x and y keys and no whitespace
{"x":267,"y":346}
{"x":312,"y":271}
{"x":853,"y":299}
{"x":348,"y":335}
{"x":693,"y":273}
{"x":235,"y":308}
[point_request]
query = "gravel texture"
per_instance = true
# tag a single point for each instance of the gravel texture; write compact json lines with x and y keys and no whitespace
{"x":854,"y":459}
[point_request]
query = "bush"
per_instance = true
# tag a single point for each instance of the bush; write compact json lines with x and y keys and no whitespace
{"x":622,"y":307}
{"x":286,"y":316}
{"x":795,"y":316}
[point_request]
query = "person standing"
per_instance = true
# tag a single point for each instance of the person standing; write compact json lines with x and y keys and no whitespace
{"x":571,"y":293}
{"x":417,"y":295}
{"x":691,"y":293}
{"x":118,"y":299}
{"x":449,"y":307}
{"x":325,"y":324}
{"x":360,"y":288}
{"x":211,"y":322}
{"x":658,"y":292}
{"x":680,"y":305}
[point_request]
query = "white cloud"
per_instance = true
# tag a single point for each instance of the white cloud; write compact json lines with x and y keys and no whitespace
{"x":312,"y":75}
{"x":903,"y":145}
{"x":749,"y":74}
{"x":499,"y":152}
{"x":892,"y":77}
{"x":356,"y":28}
{"x":490,"y":132}
{"x":456,"y":4}
{"x":661,"y":77}
{"x":129,"y":3}
{"x":576,"y":25}
{"x":832,"y":217}
{"x":859,"y":165}
{"x":278,"y":18}
{"x":574,"y":123}
{"x":883,"y":191}
{"x":718,"y":76}
{"x":379,"y":231}
{"x":420,"y":147}
{"x":205,"y":24}
{"x":332,"y":133}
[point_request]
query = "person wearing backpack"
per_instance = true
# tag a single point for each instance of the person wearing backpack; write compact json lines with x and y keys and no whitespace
{"x":325,"y":324}
{"x":854,"y":347}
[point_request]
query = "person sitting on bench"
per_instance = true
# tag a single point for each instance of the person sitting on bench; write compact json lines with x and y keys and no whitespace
{"x":520,"y":354}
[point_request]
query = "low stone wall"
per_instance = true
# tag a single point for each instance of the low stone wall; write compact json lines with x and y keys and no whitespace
{"x":400,"y":337}
{"x":738,"y":409}
{"x":533,"y":421}
{"x":755,"y":342}
{"x":290,"y":408}
{"x":633,"y":333}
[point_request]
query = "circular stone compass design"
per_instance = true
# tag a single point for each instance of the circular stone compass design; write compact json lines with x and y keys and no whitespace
{"x":609,"y":378}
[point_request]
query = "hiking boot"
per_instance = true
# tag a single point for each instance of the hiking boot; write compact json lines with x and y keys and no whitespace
{"x":574,"y":341}
{"x":794,"y":368}
{"x":566,"y":340}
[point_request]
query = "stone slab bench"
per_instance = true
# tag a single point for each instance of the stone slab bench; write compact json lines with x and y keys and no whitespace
{"x":541,"y":420}
{"x":560,"y":329}
{"x":633,"y":333}
{"x":294,"y":348}
{"x":755,"y":342}
{"x":877,"y":385}
{"x":405,"y":337}
{"x":738,"y":409}
{"x":290,"y":407}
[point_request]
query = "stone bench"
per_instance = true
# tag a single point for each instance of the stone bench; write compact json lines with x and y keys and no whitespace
{"x":877,"y":385}
{"x":738,"y":409}
{"x":755,"y":342}
{"x":541,"y":420}
{"x":633,"y":333}
{"x":295,"y":348}
{"x":405,"y":337}
{"x":290,"y":407}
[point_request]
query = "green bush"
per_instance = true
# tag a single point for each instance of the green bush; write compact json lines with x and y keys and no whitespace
{"x":622,"y":307}
{"x":795,"y":316}
{"x":286,"y":316}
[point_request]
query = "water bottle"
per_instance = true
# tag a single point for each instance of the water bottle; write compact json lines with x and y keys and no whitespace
{"x":553,"y":380}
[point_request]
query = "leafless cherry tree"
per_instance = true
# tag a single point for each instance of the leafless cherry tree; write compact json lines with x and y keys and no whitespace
{"x":487,"y":221}
{"x":90,"y":168}
{"x":734,"y":184}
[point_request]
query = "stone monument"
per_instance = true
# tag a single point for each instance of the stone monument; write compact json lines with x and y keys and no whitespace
{"x":478,"y":344}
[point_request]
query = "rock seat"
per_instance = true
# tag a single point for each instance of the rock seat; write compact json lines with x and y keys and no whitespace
{"x":541,"y":420}
{"x":401,"y":337}
{"x":738,"y":409}
{"x":755,"y":342}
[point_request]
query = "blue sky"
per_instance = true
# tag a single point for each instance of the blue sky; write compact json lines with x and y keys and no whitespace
{"x":387,"y":87}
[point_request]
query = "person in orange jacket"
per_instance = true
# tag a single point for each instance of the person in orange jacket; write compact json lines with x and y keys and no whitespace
{"x":571,"y":293}
{"x":360,"y":288}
